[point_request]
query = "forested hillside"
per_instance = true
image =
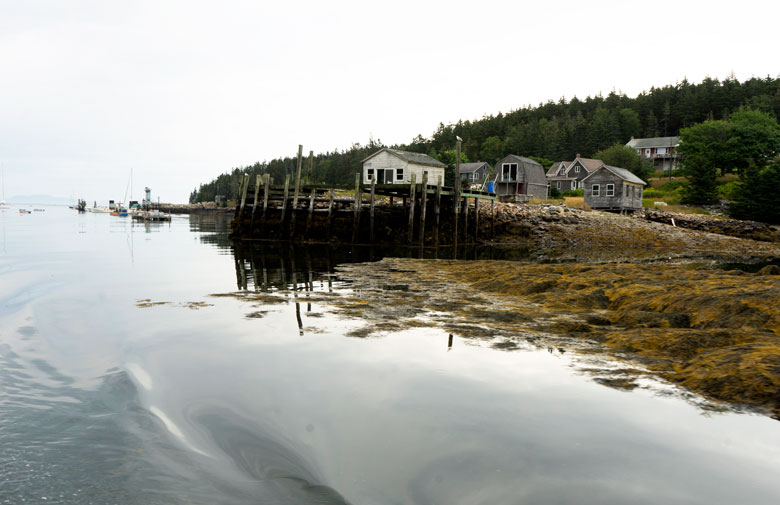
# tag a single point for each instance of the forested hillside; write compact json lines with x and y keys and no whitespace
{"x":554,"y":130}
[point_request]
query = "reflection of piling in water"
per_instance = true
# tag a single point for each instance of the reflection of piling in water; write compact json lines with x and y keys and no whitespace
{"x":340,"y":219}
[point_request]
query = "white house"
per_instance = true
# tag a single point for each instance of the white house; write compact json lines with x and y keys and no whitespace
{"x":391,"y":166}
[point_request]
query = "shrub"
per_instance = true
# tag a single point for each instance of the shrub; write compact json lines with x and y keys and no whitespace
{"x":574,"y":192}
{"x":673,"y":186}
{"x":727,"y":190}
{"x":653,"y":193}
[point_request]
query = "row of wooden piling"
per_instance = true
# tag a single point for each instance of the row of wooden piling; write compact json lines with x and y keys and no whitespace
{"x":410,"y":200}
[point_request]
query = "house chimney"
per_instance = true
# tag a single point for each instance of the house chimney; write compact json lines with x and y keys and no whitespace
{"x":578,"y":155}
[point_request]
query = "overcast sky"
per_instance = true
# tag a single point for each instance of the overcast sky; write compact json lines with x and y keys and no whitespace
{"x":181,"y":91}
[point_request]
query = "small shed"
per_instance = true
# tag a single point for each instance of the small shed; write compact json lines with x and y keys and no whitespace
{"x":474,"y":173}
{"x":519,"y":179}
{"x":393,"y":166}
{"x":613,"y":188}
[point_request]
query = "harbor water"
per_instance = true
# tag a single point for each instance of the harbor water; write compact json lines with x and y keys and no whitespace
{"x":159,"y":363}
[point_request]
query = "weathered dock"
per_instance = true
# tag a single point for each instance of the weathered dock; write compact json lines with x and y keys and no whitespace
{"x":421,"y":214}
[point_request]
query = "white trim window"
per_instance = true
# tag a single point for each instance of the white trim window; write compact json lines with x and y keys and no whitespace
{"x":574,"y":184}
{"x":610,"y":190}
{"x":369,"y":174}
{"x":399,"y":174}
{"x":595,"y":190}
{"x":509,"y":172}
{"x":558,"y":184}
{"x":576,"y":169}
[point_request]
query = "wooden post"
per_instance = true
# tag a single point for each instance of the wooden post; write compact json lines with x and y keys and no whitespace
{"x":295,"y":194}
{"x":465,"y":219}
{"x":423,"y":205}
{"x":456,"y":195}
{"x":298,"y":177}
{"x":476,"y":219}
{"x":311,"y":211}
{"x":371,"y":208}
{"x":358,"y":203}
{"x":243,"y":193}
{"x":411,"y":207}
{"x":286,"y":195}
{"x":492,"y":219}
{"x":266,"y":189}
{"x":330,"y":213}
{"x":257,"y":192}
{"x":310,"y":168}
{"x":437,"y":210}
{"x":240,"y":188}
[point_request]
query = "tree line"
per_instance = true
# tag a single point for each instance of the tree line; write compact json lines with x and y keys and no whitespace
{"x":556,"y":130}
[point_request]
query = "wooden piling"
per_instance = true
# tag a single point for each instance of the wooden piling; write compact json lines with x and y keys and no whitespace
{"x":297,"y":190}
{"x":243,"y":193}
{"x":266,"y":189}
{"x":456,"y":209}
{"x":371,"y":208}
{"x":411,"y":207}
{"x":492,"y":219}
{"x":465,"y":219}
{"x":311,"y":211}
{"x":476,"y":219}
{"x":423,"y":205}
{"x":286,"y":195}
{"x":330,"y":213}
{"x":436,"y":211}
{"x":254,"y":202}
{"x":358,"y":204}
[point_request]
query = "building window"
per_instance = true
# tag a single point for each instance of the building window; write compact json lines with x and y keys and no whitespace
{"x":562,"y":171}
{"x":577,"y":169}
{"x":595,"y":190}
{"x":509,"y":171}
{"x":574,"y":184}
{"x":558,"y":184}
{"x":399,"y":174}
{"x":610,"y":190}
{"x":369,"y":174}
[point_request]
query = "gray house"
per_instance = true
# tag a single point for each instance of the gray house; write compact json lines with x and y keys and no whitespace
{"x":518,"y":179}
{"x":474,"y":173}
{"x":613,"y":188}
{"x":568,"y":175}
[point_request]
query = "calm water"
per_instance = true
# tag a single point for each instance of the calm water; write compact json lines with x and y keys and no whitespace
{"x":122,"y":381}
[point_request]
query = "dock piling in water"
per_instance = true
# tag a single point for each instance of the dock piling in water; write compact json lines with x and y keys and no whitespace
{"x":334,"y":218}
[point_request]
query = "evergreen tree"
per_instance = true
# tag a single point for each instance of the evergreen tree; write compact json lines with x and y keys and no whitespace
{"x":757,"y":197}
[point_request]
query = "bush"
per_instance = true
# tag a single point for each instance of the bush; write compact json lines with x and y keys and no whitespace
{"x":673,"y":186}
{"x":574,"y":192}
{"x":554,"y":192}
{"x":727,"y":190}
{"x":653,"y":193}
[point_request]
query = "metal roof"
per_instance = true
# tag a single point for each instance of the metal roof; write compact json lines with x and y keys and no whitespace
{"x":654,"y":142}
{"x":417,"y":158}
{"x":622,"y":173}
{"x":470,"y":168}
